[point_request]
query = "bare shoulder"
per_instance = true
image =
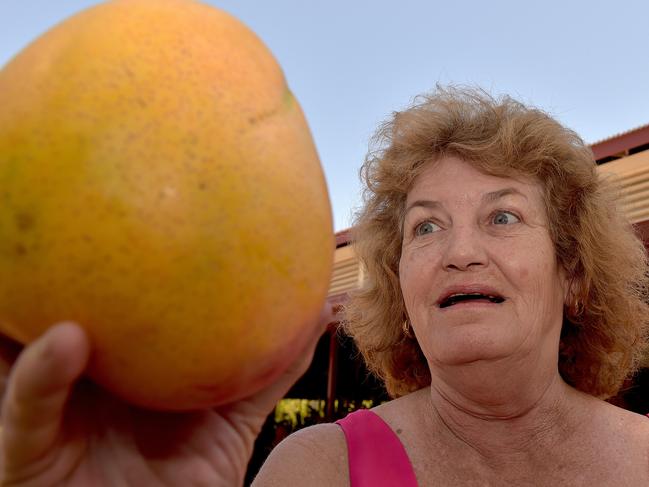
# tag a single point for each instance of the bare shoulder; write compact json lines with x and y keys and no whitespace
{"x":637,"y":428}
{"x":312,"y":456}
{"x":634,"y":424}
{"x":627,"y":434}
{"x":406,"y":411}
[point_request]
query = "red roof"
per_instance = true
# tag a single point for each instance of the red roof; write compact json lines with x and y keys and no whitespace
{"x":622,"y":144}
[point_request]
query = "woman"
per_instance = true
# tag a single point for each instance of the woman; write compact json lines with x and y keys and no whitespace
{"x":504,"y":299}
{"x":505,"y":295}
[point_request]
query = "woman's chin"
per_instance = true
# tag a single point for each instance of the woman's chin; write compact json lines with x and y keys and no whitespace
{"x":474,"y":351}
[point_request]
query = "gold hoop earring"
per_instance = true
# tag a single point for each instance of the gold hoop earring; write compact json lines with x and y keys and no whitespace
{"x":405,"y":326}
{"x":575,"y":307}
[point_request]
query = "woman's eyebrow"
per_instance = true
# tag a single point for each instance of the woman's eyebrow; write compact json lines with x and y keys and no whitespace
{"x":490,"y":197}
{"x":486,"y":198}
{"x":501,"y":193}
{"x":424,"y":204}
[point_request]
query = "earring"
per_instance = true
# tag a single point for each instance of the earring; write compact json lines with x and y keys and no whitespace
{"x":405,"y":326}
{"x":575,"y":307}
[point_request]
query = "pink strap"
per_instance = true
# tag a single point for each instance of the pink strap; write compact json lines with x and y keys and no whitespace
{"x":376,"y":456}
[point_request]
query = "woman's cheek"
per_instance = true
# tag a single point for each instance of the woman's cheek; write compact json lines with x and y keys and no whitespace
{"x":524,"y":273}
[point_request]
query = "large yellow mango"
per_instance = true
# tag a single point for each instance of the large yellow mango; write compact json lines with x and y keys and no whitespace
{"x":159,"y":185}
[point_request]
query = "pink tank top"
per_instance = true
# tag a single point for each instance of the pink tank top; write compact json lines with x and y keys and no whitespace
{"x":376,"y":456}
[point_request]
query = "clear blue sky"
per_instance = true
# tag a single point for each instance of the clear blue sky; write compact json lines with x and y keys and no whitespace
{"x":351,"y":62}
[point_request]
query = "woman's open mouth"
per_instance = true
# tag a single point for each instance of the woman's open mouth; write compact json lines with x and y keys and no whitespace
{"x":457,"y":298}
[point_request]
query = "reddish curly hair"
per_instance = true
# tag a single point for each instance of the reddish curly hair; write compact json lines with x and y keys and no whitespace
{"x":607,"y":317}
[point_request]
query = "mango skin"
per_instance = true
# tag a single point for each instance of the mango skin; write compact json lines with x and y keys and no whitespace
{"x":159,"y":185}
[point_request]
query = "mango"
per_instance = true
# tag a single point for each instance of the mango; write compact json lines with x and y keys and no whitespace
{"x":159,"y":185}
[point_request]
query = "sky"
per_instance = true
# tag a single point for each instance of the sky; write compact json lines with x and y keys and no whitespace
{"x":351,"y":63}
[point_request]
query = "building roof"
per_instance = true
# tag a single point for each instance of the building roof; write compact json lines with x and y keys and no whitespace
{"x":620,"y":145}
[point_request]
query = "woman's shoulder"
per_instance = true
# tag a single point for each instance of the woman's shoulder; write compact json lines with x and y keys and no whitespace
{"x":624,"y":437}
{"x":636,"y":427}
{"x":404,"y":409}
{"x":633,"y":430}
{"x":316,"y":455}
{"x":625,"y":421}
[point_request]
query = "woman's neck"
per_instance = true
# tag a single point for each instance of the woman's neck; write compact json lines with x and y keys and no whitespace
{"x":516,"y":420}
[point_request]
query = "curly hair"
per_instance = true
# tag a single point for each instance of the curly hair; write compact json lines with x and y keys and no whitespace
{"x":606,"y":318}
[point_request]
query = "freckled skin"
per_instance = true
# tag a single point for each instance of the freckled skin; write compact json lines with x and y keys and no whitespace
{"x":516,"y":259}
{"x":161,"y":187}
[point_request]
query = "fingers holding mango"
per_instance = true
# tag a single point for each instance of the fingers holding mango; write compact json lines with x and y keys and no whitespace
{"x":37,"y":392}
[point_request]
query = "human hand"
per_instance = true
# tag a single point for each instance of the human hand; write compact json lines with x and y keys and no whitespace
{"x":59,"y":428}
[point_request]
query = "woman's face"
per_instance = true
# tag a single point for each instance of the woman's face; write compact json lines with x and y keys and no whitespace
{"x":478,"y":269}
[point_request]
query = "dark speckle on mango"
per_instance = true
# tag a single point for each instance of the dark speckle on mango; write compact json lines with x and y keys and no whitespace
{"x":24,"y":221}
{"x":20,"y":249}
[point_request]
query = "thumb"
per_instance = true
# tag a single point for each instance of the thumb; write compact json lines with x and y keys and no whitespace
{"x":37,"y":392}
{"x":9,"y":351}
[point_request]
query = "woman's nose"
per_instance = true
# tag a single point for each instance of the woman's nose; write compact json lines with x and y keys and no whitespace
{"x":464,"y":249}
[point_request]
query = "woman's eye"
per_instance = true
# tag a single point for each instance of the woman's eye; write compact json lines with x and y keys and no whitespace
{"x":425,"y":228}
{"x":505,"y":218}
